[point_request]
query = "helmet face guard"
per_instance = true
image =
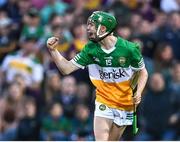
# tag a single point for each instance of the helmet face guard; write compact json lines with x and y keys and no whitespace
{"x":100,"y":18}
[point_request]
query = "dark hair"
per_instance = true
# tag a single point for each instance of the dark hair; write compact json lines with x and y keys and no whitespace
{"x":53,"y":15}
{"x":160,"y":48}
{"x":9,"y":115}
{"x":33,"y":12}
{"x":30,"y":39}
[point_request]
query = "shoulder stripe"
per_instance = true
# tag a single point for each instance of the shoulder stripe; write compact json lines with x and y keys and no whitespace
{"x":138,"y":69}
{"x":76,"y":64}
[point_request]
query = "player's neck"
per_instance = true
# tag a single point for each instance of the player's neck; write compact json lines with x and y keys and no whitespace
{"x":108,"y":42}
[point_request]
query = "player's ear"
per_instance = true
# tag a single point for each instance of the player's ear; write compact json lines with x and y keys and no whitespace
{"x":103,"y":28}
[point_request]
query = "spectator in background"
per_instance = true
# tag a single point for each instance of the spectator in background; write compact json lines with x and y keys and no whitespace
{"x":175,"y":89}
{"x":53,"y":6}
{"x":55,"y":126}
{"x":82,"y":124}
{"x":163,"y":59}
{"x":73,"y":12}
{"x":124,"y":32}
{"x":33,"y":28}
{"x":135,"y":21}
{"x":160,"y":20}
{"x":175,"y":79}
{"x":24,"y":62}
{"x":29,"y":126}
{"x":78,"y":9}
{"x":20,"y":81}
{"x":145,"y":34}
{"x":7,"y":41}
{"x":156,"y":126}
{"x":172,"y":33}
{"x":13,"y":10}
{"x":13,"y":96}
{"x":53,"y":86}
{"x":80,"y":39}
{"x":68,"y":97}
{"x":10,"y":102}
{"x":85,"y":95}
{"x":16,"y":9}
{"x":146,"y":10}
{"x":160,"y":25}
{"x":121,"y":10}
{"x":24,"y":6}
{"x":9,"y":125}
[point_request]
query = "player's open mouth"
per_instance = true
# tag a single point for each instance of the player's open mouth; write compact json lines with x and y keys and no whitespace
{"x":90,"y":34}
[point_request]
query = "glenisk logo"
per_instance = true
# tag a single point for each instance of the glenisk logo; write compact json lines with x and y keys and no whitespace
{"x":114,"y":74}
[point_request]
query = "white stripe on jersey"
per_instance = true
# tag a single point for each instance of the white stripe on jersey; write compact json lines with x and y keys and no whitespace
{"x":77,"y":56}
{"x":76,"y":64}
{"x":137,"y":69}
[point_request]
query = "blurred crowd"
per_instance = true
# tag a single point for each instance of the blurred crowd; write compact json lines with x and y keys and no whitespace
{"x":38,"y":103}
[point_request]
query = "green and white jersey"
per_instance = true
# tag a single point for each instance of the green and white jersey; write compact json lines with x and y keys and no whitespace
{"x":27,"y":66}
{"x":111,"y":71}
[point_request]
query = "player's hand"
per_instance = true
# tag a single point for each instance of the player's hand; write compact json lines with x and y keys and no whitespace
{"x":137,"y":98}
{"x":52,"y":43}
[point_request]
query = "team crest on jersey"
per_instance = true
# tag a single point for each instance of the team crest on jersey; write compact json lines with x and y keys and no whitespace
{"x":122,"y":61}
{"x":102,"y":107}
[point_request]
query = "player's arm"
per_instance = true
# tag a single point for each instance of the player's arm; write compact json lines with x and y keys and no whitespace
{"x":141,"y":74}
{"x":65,"y":66}
{"x":141,"y":82}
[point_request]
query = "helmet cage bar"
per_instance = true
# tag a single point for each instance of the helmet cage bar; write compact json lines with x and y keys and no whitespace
{"x":98,"y":32}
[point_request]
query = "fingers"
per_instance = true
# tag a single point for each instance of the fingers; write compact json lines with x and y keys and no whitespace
{"x":52,"y":42}
{"x":137,"y":99}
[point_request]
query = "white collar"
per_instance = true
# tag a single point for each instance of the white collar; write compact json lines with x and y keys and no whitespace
{"x":108,"y":50}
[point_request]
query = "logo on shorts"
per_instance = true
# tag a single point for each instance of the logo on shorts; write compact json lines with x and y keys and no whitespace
{"x":102,"y":107}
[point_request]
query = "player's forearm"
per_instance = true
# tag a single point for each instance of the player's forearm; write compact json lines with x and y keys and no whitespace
{"x":63,"y":65}
{"x":143,"y":76}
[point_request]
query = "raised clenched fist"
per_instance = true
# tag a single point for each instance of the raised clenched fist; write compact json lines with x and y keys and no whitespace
{"x":52,"y":42}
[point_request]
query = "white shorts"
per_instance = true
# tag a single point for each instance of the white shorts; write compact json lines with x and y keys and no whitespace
{"x":119,"y":117}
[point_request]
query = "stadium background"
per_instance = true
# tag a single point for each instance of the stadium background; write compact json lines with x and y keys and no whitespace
{"x":38,"y":103}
